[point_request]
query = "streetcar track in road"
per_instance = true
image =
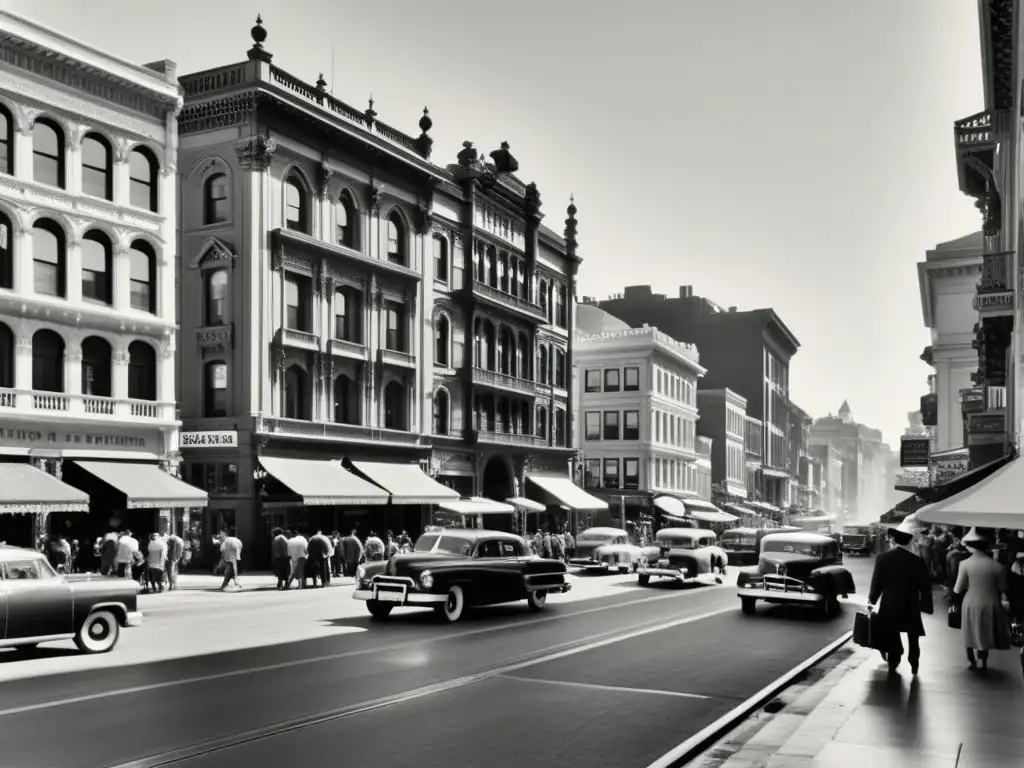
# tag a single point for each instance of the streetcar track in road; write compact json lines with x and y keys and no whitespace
{"x":606,"y":688}
{"x":536,"y":658}
{"x":376,"y":650}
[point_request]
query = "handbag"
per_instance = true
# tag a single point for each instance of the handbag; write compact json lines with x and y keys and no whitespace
{"x":862,"y":626}
{"x":954,"y":618}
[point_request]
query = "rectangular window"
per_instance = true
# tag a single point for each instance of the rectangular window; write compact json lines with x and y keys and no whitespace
{"x":341,"y":316}
{"x":46,"y":278}
{"x":611,"y":473}
{"x":395,"y":336}
{"x":295,"y":305}
{"x":632,"y":380}
{"x":592,"y":382}
{"x":611,"y":380}
{"x":631,"y":474}
{"x":592,"y":473}
{"x":611,"y":425}
{"x":593,"y":425}
{"x":631,"y":428}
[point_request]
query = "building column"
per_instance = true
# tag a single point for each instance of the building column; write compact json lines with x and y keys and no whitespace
{"x":372,"y":327}
{"x":73,"y":271}
{"x":119,"y":382}
{"x":122,"y":284}
{"x":415,"y":330}
{"x":73,"y":378}
{"x":22,"y":244}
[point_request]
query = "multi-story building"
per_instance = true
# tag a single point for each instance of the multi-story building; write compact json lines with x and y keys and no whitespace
{"x":800,"y":481}
{"x":747,"y":352}
{"x":828,"y":457}
{"x":753,"y":451}
{"x":638,"y":413}
{"x":699,"y":478}
{"x":87,"y":286}
{"x":723,"y":419}
{"x":948,"y":279}
{"x":334,"y":308}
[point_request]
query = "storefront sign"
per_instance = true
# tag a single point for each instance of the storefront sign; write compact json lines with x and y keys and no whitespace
{"x":211,"y":439}
{"x":1003,"y":299}
{"x":972,"y":400}
{"x":94,"y":439}
{"x":915,"y":451}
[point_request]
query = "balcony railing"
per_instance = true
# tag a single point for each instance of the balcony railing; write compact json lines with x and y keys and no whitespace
{"x":85,"y":405}
{"x":290,"y":337}
{"x":501,"y":298}
{"x":342,"y":348}
{"x":995,"y":272}
{"x":510,"y":438}
{"x":504,"y":381}
{"x":394,"y":357}
{"x":326,"y":430}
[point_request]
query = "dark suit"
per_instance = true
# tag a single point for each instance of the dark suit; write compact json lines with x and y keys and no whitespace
{"x":902,"y":581}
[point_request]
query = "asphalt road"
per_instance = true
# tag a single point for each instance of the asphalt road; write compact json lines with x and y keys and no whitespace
{"x":615,"y":681}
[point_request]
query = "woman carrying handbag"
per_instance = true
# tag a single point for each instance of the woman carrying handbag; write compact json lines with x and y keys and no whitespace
{"x":981,"y":583}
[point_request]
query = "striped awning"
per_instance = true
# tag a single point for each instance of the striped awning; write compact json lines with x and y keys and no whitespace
{"x":407,"y":483}
{"x":567,"y":494}
{"x":526,"y":505}
{"x":322,"y":483}
{"x":477,"y":505}
{"x":146,"y":486}
{"x":28,"y":490}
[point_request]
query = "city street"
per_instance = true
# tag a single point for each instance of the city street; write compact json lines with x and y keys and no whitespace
{"x":609,"y":675}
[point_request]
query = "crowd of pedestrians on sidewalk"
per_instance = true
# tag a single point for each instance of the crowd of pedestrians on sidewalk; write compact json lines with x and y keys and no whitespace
{"x":298,"y":560}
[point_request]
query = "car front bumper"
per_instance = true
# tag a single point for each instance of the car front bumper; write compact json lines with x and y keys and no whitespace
{"x":665,"y":571}
{"x":133,"y":619}
{"x":398,"y":598}
{"x":780,"y":596}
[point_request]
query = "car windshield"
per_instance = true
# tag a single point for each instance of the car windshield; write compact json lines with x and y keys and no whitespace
{"x":426,"y":542}
{"x":599,"y":538}
{"x":454,"y":545}
{"x":678,"y":542}
{"x":792,"y":547}
{"x":739,"y":538}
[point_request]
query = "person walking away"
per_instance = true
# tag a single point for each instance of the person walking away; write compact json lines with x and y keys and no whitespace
{"x":955,"y":555}
{"x":108,"y":554}
{"x":374,"y":547}
{"x":279,"y":560}
{"x":940,"y":543}
{"x":1015,"y":594}
{"x":175,"y":550}
{"x":127,"y":546}
{"x":336,"y":556}
{"x":156,"y":557}
{"x":65,"y":553}
{"x":545,"y":546}
{"x":319,"y":554}
{"x":231,"y":555}
{"x":392,"y":545}
{"x":557,"y":547}
{"x":981,"y":583}
{"x":901,"y":584}
{"x":570,"y":545}
{"x":351,"y":553}
{"x":298,"y":553}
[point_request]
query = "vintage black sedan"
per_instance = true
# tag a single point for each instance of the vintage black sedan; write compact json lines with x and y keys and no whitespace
{"x":38,"y":605}
{"x":454,"y":569}
{"x":803,"y":568}
{"x":740,"y":544}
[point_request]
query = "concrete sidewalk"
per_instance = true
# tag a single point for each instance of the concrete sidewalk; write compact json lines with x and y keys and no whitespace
{"x":859,"y":715}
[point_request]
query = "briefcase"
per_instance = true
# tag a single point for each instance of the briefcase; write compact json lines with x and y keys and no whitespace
{"x":863,"y":630}
{"x":955,"y":618}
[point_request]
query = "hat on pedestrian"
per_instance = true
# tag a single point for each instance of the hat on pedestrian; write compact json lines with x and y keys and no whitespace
{"x":975,"y":540}
{"x":900,"y":536}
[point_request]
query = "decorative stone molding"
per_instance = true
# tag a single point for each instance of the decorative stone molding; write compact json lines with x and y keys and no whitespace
{"x":121,"y":358}
{"x":73,"y":355}
{"x":215,"y":339}
{"x":375,"y":198}
{"x":324,"y":174}
{"x":255,"y":153}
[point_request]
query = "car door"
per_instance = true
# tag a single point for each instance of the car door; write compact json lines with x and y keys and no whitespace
{"x":39,"y":601}
{"x":498,"y":574}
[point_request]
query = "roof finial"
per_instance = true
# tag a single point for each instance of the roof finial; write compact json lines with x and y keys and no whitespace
{"x":259,"y":36}
{"x":321,"y":84}
{"x":370,"y":114}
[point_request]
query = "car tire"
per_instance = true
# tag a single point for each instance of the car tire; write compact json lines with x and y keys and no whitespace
{"x":454,"y":605}
{"x":537,"y":600}
{"x":749,"y":605}
{"x":644,"y":579}
{"x":379,"y":610}
{"x":99,"y":633}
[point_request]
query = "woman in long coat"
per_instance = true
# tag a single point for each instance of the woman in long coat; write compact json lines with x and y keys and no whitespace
{"x":982,"y":582}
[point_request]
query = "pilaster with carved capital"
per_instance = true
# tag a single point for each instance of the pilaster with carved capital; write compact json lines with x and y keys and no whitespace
{"x":323,"y":179}
{"x":255,"y":153}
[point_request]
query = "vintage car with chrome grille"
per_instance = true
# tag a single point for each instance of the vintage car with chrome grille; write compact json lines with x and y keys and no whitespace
{"x":740,"y":544}
{"x":801,"y":568}
{"x":683,"y":554}
{"x":602,"y":549}
{"x":456,"y":568}
{"x":39,"y":605}
{"x":856,"y":539}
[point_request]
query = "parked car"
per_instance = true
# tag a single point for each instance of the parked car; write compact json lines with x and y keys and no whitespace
{"x":803,"y":568}
{"x":683,"y":554}
{"x":606,"y":548}
{"x":740,"y":545}
{"x":455,"y":568}
{"x":39,"y":605}
{"x":856,"y":539}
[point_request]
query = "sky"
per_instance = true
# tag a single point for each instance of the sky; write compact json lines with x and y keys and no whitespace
{"x":793,"y":154}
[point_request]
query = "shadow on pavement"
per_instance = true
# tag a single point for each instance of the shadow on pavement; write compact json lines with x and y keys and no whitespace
{"x":508,"y":614}
{"x":13,"y":655}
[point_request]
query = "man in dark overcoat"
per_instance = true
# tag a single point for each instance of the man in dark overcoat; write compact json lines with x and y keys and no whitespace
{"x":902,"y":583}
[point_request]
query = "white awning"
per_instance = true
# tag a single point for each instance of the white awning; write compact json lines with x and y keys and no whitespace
{"x":477,"y":506}
{"x":670,"y":505}
{"x":993,"y":502}
{"x":738,"y":509}
{"x":407,"y":483}
{"x":146,"y":486}
{"x":526,"y":505}
{"x":707,"y":516}
{"x":323,"y":483}
{"x":26,"y":489}
{"x":707,"y":506}
{"x":568,"y":493}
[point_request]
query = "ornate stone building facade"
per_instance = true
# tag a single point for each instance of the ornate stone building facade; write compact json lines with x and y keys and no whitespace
{"x":87,"y":280}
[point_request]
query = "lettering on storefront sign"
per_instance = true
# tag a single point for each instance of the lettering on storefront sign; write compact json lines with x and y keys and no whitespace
{"x":915,"y":451}
{"x":210,"y":439}
{"x":993,"y":300}
{"x":37,"y":438}
{"x":972,"y":400}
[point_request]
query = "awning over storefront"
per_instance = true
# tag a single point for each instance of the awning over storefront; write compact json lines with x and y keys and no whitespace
{"x":407,"y":483}
{"x":671,"y":506}
{"x":477,"y":505}
{"x":526,"y":505}
{"x":566,"y":493}
{"x":26,"y":489}
{"x":145,"y":486}
{"x":740,"y":510}
{"x":323,"y":483}
{"x":992,"y":502}
{"x":934,"y":493}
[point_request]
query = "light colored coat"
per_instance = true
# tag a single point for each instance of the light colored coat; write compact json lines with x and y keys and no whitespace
{"x":984,"y":624}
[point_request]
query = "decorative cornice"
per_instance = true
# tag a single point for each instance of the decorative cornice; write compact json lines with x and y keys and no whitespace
{"x":255,"y":153}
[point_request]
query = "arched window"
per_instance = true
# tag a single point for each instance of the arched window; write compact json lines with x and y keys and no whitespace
{"x":96,"y":358}
{"x":215,"y":389}
{"x":47,"y":361}
{"x":396,"y":408}
{"x":523,"y":357}
{"x":347,"y":313}
{"x":559,"y":427}
{"x":396,"y":239}
{"x":443,"y":336}
{"x":542,"y":296}
{"x":543,"y":374}
{"x":346,"y":401}
{"x":97,"y":167}
{"x":97,"y":267}
{"x":296,"y":204}
{"x":49,"y":259}
{"x":491,"y":264}
{"x":6,"y":356}
{"x":6,"y":252}
{"x":142,"y":173}
{"x":48,"y":153}
{"x":345,"y":221}
{"x":440,"y":259}
{"x":296,"y":398}
{"x":560,"y":368}
{"x":508,"y":351}
{"x":216,"y":297}
{"x":141,"y":371}
{"x":216,"y":200}
{"x":142,"y":272}
{"x":542,"y":422}
{"x":6,"y":141}
{"x":490,"y":361}
{"x":441,"y":412}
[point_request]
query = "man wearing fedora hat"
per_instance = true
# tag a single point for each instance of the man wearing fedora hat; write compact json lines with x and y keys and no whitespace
{"x":901,"y":585}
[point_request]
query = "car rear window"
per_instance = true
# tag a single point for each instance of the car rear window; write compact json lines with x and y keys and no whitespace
{"x":21,"y":569}
{"x":739,"y":538}
{"x":811,"y":550}
{"x":680,"y":542}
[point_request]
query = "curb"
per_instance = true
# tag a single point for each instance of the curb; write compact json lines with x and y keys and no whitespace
{"x":709,"y":735}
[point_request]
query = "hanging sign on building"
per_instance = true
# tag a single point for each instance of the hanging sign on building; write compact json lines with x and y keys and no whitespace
{"x":915,"y":451}
{"x":209,"y":439}
{"x":972,"y":400}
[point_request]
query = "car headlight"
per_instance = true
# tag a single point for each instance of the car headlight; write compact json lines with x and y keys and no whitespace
{"x":361,"y":573}
{"x":426,"y":579}
{"x":780,"y":569}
